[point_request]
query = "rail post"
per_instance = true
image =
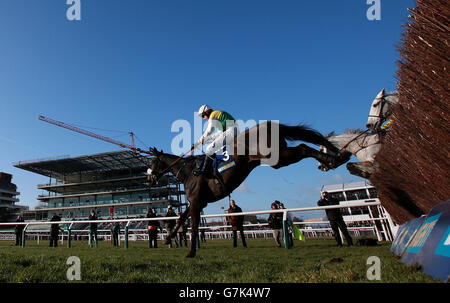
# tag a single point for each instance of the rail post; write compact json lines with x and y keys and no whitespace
{"x":23,"y":235}
{"x":287,"y":244}
{"x":69,"y":236}
{"x":126,"y":235}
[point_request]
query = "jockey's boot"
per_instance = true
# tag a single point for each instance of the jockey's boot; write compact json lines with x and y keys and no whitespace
{"x":204,"y":169}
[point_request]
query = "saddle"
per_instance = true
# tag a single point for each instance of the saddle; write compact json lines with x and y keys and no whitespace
{"x":221,"y":163}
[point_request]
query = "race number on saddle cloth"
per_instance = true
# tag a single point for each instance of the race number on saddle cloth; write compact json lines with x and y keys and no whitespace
{"x":221,"y":130}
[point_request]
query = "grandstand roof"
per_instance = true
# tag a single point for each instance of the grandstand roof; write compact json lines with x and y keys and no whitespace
{"x":97,"y":163}
{"x":346,"y":186}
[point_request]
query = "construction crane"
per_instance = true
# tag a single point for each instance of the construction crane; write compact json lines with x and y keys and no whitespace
{"x":88,"y":133}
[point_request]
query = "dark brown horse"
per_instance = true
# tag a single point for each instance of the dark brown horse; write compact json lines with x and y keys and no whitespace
{"x":248,"y":153}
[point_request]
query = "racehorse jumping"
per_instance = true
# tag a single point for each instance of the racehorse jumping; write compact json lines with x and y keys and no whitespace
{"x":364,"y":144}
{"x":247,"y":154}
{"x":359,"y":143}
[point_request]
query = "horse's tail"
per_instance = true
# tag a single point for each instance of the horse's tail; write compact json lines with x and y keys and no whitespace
{"x":304,"y":133}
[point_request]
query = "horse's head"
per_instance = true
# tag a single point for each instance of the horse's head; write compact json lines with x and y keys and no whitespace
{"x":157,"y":168}
{"x":381,"y":109}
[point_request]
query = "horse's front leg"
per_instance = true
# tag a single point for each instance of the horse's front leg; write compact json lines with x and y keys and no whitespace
{"x":338,"y":161}
{"x":195,"y":218}
{"x":327,"y":161}
{"x":361,"y":169}
{"x":292,"y":155}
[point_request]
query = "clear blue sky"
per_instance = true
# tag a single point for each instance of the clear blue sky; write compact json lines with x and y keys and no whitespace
{"x":140,"y":65}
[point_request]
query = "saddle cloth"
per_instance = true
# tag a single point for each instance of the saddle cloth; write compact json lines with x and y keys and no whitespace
{"x":223,"y":163}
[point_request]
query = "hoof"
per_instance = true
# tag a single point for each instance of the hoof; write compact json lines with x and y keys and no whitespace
{"x":331,"y":164}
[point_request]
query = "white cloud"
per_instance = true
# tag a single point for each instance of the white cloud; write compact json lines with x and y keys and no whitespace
{"x":243,"y":188}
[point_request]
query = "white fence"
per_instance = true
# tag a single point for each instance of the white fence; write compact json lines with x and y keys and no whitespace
{"x":384,"y":231}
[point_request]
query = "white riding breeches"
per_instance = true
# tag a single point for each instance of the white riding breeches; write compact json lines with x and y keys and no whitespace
{"x":225,"y":138}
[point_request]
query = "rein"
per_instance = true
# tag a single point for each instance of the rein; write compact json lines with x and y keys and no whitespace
{"x":176,"y":161}
{"x":348,"y":143}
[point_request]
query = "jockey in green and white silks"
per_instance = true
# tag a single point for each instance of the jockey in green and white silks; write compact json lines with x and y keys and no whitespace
{"x":226,"y":130}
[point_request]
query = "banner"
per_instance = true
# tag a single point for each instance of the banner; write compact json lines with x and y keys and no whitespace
{"x":298,"y":233}
{"x":404,"y":235}
{"x":425,"y":241}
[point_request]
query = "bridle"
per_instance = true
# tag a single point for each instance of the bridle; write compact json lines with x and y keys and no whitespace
{"x":381,"y":103}
{"x":155,"y":177}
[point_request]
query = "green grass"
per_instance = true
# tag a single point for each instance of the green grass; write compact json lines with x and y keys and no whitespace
{"x":216,"y":262}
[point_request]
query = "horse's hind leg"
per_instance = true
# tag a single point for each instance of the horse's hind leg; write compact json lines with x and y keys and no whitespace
{"x":291,"y":155}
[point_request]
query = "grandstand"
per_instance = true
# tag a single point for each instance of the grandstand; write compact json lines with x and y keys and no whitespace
{"x":350,"y":194}
{"x":113,"y":183}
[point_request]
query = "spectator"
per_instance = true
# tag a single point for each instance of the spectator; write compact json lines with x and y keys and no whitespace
{"x":54,"y":230}
{"x":170,"y":225}
{"x":152,"y":228}
{"x":93,"y":233}
{"x":202,"y":235}
{"x":276,"y":223}
{"x":237,"y":223}
{"x":19,"y":230}
{"x":290,"y":229}
{"x":115,"y":229}
{"x":335,"y":218}
{"x":182,"y":230}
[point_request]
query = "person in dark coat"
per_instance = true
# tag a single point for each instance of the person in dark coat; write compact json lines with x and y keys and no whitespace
{"x":54,"y":230}
{"x":170,"y":225}
{"x":335,"y":218}
{"x":276,"y":223}
{"x":182,"y":231}
{"x":237,"y":223}
{"x":152,"y":229}
{"x":19,"y":230}
{"x":93,"y":233}
{"x":115,"y":229}
{"x":202,"y":235}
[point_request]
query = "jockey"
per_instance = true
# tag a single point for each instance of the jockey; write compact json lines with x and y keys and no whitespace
{"x":385,"y":127}
{"x":226,"y":129}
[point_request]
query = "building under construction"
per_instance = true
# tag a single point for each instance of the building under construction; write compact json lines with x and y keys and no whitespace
{"x":113,"y":183}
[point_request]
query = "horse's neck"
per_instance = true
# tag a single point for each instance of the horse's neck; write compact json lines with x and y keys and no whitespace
{"x":179,"y":169}
{"x":340,"y":141}
{"x":348,"y":142}
{"x":355,"y":143}
{"x":390,"y":100}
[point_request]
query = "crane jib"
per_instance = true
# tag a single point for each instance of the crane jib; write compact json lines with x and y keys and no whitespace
{"x":88,"y":133}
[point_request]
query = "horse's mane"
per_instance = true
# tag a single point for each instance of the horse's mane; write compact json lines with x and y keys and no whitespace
{"x":391,"y":97}
{"x":348,"y":131}
{"x":352,"y":131}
